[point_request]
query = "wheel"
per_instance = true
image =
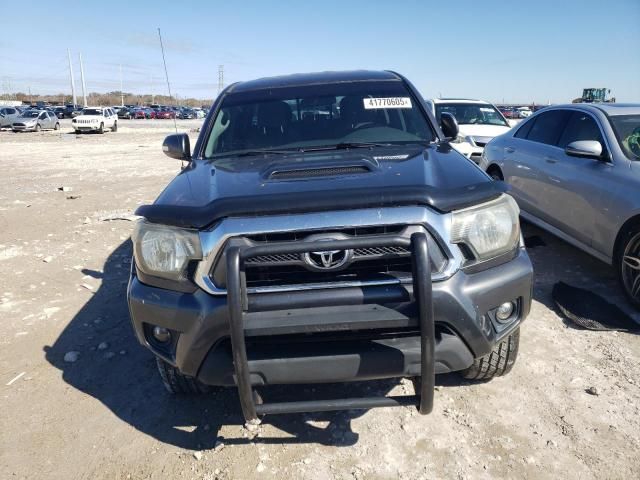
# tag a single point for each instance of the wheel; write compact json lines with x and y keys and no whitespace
{"x":627,"y":263}
{"x":115,"y":127}
{"x":38,"y":127}
{"x":57,"y":126}
{"x":495,"y":173}
{"x":497,"y":363}
{"x":176,"y":382}
{"x":101,"y":129}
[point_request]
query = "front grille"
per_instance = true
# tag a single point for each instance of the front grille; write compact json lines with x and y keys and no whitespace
{"x":19,"y":125}
{"x":373,"y":265}
{"x":358,"y":253}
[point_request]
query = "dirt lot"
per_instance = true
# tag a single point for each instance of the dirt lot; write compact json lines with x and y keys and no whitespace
{"x":64,"y":260}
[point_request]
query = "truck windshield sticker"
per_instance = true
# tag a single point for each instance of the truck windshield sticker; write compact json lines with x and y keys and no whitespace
{"x":386,"y":102}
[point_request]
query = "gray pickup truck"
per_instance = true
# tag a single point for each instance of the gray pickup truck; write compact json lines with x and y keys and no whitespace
{"x":324,"y":230}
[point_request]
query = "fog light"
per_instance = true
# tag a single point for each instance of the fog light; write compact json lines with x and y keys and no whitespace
{"x":504,"y":311}
{"x":161,"y":334}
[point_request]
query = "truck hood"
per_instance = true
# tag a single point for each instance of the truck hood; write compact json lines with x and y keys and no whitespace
{"x":274,"y":184}
{"x":486,"y":131}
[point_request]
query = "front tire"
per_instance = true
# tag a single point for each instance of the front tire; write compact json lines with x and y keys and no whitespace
{"x":38,"y":127}
{"x":57,"y":126}
{"x":101,"y":129}
{"x":498,"y":362}
{"x":115,"y":127}
{"x":627,"y":262}
{"x":177,"y":383}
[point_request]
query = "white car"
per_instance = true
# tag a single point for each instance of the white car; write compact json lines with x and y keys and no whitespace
{"x":524,"y":112}
{"x":95,"y":119}
{"x":478,"y":121}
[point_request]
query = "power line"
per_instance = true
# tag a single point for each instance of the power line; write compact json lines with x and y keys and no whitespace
{"x":175,"y":124}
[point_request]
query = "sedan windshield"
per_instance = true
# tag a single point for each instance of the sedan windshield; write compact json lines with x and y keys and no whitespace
{"x":472,"y":113}
{"x":91,"y":111}
{"x":30,"y":114}
{"x":319,"y":116}
{"x":627,"y":129}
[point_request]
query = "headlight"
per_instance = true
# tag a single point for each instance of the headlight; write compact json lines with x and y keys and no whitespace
{"x":163,"y":251}
{"x":488,"y":230}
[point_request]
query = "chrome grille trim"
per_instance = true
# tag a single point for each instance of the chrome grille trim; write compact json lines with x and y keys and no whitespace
{"x":213,"y":240}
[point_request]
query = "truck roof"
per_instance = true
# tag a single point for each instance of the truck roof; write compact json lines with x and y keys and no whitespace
{"x":302,"y":79}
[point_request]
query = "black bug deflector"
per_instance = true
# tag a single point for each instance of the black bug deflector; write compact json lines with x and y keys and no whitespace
{"x":240,"y":319}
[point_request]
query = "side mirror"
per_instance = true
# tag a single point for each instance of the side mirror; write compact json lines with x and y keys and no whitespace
{"x":177,"y":146}
{"x":584,"y":148}
{"x":449,"y":125}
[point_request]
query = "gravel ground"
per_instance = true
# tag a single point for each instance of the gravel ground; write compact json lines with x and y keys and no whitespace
{"x":81,"y":399}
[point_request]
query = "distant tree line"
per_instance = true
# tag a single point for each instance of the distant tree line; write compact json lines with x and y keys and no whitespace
{"x":110,"y":98}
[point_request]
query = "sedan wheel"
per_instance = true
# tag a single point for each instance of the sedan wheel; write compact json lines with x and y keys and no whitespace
{"x":38,"y":128}
{"x":630,"y":267}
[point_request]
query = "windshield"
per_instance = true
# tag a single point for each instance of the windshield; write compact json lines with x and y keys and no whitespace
{"x":472,"y":113}
{"x":30,"y":114}
{"x":91,"y":111}
{"x":627,"y":129}
{"x":317,"y":116}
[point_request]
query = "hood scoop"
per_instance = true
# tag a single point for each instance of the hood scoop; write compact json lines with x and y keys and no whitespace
{"x":314,"y":170}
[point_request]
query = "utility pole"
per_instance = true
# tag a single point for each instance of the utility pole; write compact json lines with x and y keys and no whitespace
{"x":73,"y":83}
{"x":121,"y":92}
{"x":30,"y":98}
{"x":220,"y":78}
{"x":153,"y":97}
{"x":84,"y":87}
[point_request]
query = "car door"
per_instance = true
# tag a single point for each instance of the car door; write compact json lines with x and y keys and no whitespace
{"x":42,"y":120}
{"x":576,"y":183}
{"x":527,"y":155}
{"x":51,"y":120}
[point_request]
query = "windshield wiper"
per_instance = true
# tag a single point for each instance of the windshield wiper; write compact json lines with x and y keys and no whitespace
{"x":346,"y":146}
{"x":253,"y":153}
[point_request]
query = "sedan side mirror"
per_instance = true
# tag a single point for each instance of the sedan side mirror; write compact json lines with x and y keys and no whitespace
{"x":584,"y":148}
{"x":177,"y":146}
{"x":449,"y":125}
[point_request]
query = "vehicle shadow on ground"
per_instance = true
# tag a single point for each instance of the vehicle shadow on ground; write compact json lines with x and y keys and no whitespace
{"x":555,"y":260}
{"x":122,"y":376}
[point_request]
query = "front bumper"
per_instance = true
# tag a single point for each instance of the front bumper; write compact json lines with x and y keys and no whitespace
{"x":23,"y":128}
{"x":86,"y":127}
{"x":472,"y":152}
{"x":374,"y":345}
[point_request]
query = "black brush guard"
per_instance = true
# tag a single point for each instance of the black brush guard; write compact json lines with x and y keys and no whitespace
{"x":238,"y":311}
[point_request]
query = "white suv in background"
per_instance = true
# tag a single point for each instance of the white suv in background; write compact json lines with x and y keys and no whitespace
{"x":479,"y":122}
{"x":95,"y":119}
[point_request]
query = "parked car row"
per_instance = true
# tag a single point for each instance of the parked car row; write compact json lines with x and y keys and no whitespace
{"x":160,"y":112}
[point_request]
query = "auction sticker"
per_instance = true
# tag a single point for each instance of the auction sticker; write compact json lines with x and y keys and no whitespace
{"x":386,"y":102}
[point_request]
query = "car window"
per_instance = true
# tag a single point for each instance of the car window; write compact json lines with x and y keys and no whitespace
{"x":581,"y":126}
{"x":10,"y":111}
{"x":43,"y":115}
{"x":524,"y":130}
{"x":548,"y":127}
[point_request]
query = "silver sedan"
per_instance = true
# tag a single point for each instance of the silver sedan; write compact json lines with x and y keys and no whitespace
{"x":575,"y":171}
{"x":35,"y":120}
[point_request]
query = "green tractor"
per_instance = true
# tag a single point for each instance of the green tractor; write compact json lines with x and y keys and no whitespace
{"x":595,"y":95}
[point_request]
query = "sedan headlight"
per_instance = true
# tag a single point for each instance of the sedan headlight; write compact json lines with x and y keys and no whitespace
{"x":163,"y":251}
{"x":488,"y":230}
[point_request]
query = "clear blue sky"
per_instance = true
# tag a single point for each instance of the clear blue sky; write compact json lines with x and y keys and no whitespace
{"x":519,"y":51}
